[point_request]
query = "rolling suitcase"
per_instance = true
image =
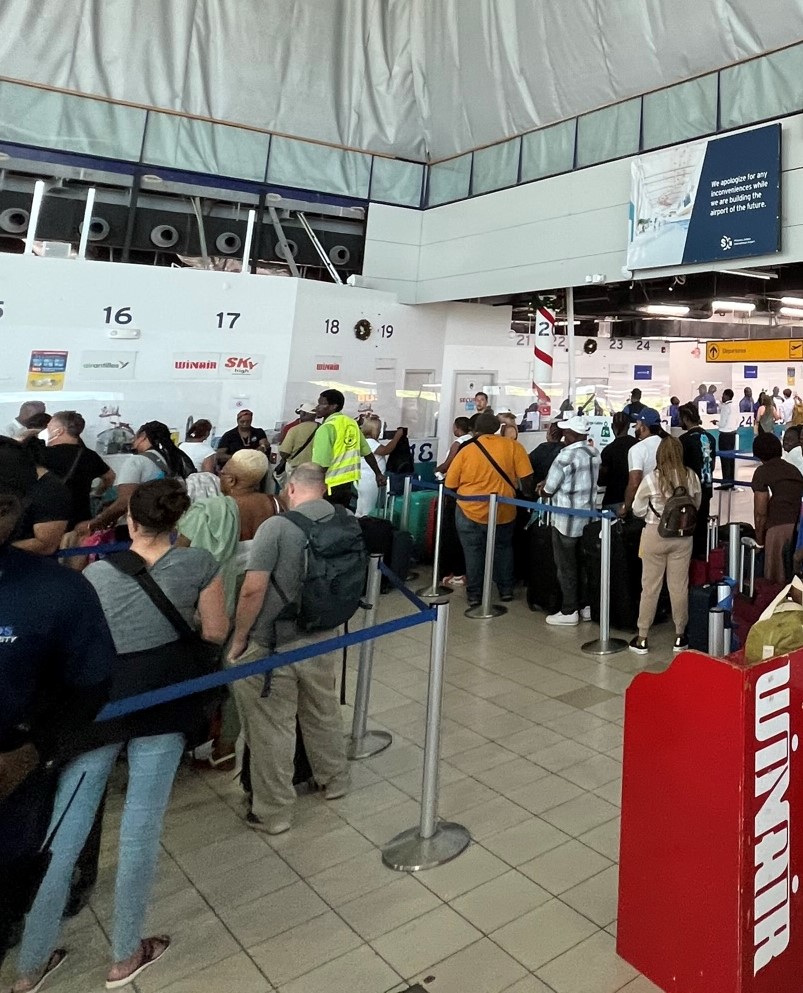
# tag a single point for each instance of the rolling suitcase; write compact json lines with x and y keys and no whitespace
{"x":701,"y":600}
{"x":543,"y":588}
{"x":625,"y":570}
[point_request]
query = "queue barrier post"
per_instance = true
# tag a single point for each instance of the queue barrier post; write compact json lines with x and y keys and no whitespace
{"x":364,"y":743}
{"x":407,"y":492}
{"x":434,"y":591}
{"x":432,"y":842}
{"x":605,"y":644}
{"x":487,"y":609}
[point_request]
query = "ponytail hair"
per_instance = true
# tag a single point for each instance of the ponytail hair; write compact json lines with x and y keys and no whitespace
{"x":158,"y":435}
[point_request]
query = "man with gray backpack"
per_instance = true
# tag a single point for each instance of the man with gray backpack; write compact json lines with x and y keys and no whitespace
{"x":305,"y":579}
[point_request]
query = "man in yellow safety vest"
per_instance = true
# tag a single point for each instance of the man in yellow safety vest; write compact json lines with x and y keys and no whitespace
{"x":338,"y":446}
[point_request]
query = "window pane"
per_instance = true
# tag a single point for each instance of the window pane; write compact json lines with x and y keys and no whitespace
{"x":75,"y":124}
{"x":496,"y":166}
{"x":609,"y":133}
{"x":317,"y":167}
{"x":548,"y":152}
{"x":767,"y":87}
{"x":397,"y":182}
{"x":449,"y":180}
{"x":680,"y":112}
{"x":201,"y":146}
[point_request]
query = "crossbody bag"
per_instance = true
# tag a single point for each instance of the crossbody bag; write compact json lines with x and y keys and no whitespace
{"x":494,"y":463}
{"x":282,"y":467}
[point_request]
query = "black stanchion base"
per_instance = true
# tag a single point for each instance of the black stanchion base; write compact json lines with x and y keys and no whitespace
{"x":478,"y":613}
{"x":409,"y":852}
{"x":371,"y":743}
{"x":610,"y":647}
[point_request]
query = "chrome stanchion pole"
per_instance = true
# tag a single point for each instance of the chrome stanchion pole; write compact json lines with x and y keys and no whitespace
{"x":434,"y":591}
{"x":404,"y":519}
{"x":364,"y":743}
{"x":487,"y":609}
{"x":431,"y":843}
{"x":734,"y":550}
{"x":605,"y":644}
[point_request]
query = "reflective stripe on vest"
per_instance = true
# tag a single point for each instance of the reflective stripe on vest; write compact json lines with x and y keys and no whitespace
{"x":345,"y":467}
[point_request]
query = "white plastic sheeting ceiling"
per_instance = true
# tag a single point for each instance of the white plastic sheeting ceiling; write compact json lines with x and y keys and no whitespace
{"x":421,"y":79}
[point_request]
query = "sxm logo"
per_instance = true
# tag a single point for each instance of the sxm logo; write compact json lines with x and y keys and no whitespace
{"x":774,"y":883}
{"x":7,"y":636}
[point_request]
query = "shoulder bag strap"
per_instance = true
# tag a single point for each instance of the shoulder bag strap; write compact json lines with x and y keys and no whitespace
{"x":306,"y":444}
{"x":303,"y":523}
{"x":492,"y":460}
{"x":73,"y":467}
{"x":133,"y":565}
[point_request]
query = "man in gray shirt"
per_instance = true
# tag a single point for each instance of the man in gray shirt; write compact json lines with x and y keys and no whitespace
{"x":306,"y":689}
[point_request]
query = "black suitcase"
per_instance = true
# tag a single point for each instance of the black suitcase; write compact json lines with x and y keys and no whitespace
{"x":543,"y":588}
{"x":401,"y":554}
{"x":701,"y":600}
{"x":625,"y":570}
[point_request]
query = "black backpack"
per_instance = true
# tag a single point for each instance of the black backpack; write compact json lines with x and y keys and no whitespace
{"x":679,"y":518}
{"x":336,"y":565}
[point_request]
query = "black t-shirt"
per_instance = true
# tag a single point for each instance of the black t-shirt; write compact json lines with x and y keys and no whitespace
{"x":785,"y":485}
{"x":542,"y":457}
{"x":699,"y":453}
{"x":232,"y":441}
{"x":59,"y":459}
{"x":49,"y":500}
{"x":633,"y":409}
{"x":614,"y":470}
{"x":53,"y":635}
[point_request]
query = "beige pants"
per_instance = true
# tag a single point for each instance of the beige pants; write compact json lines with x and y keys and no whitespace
{"x":659,"y":556}
{"x":308,"y":689}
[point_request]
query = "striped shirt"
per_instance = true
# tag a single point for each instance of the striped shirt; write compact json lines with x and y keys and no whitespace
{"x":572,"y":483}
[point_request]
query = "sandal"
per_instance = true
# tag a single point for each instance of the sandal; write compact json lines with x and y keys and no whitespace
{"x":152,"y":950}
{"x":56,"y":959}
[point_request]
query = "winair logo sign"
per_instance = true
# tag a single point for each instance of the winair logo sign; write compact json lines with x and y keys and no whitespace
{"x":774,"y":883}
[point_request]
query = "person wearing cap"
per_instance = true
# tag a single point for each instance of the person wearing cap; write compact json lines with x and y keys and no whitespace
{"x":338,"y":447}
{"x":245,"y":435}
{"x":19,"y":427}
{"x":635,"y":407}
{"x":641,"y":457}
{"x":572,"y":483}
{"x":488,"y":464}
{"x":296,"y":446}
{"x":53,"y":680}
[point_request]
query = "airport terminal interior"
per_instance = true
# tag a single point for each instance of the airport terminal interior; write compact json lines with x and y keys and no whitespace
{"x":518,"y":284}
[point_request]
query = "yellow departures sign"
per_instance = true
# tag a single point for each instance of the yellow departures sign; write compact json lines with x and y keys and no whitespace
{"x":762,"y":350}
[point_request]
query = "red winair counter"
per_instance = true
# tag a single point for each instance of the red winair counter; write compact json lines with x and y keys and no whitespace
{"x":712,"y":826}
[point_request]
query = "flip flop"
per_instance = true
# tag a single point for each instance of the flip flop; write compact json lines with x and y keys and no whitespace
{"x":151,"y":954}
{"x":57,"y":959}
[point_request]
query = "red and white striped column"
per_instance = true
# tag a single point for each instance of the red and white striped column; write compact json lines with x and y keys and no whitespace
{"x":544,"y":351}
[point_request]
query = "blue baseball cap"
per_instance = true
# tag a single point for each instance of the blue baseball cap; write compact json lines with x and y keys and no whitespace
{"x":650,"y":417}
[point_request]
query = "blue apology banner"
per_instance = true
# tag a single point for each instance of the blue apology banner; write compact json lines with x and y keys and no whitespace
{"x":707,"y":201}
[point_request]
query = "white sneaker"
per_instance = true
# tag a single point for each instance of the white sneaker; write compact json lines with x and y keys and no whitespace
{"x":585,"y":614}
{"x":566,"y":620}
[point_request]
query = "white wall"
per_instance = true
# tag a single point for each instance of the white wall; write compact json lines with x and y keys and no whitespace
{"x":541,"y":235}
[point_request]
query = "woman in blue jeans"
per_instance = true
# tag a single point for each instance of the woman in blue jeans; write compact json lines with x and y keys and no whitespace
{"x":153,"y":739}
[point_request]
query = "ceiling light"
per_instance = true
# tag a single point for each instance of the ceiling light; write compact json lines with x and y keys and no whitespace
{"x":791,"y":312}
{"x":152,"y":179}
{"x":665,"y":310}
{"x":4,"y":156}
{"x":792,"y":301}
{"x":273,"y":197}
{"x":734,"y":306}
{"x":751,"y":273}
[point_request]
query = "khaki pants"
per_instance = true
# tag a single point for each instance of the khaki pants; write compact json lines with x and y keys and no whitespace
{"x":308,"y":689}
{"x":659,"y":556}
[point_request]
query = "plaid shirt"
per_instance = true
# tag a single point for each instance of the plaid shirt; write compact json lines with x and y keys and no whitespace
{"x":572,"y":483}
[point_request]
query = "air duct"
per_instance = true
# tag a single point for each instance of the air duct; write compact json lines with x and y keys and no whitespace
{"x":164,"y":236}
{"x":228,"y":243}
{"x":14,"y":220}
{"x":279,"y":253}
{"x":98,"y":229}
{"x":339,"y":255}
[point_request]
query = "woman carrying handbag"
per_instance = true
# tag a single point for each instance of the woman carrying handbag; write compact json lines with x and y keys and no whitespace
{"x":150,"y":597}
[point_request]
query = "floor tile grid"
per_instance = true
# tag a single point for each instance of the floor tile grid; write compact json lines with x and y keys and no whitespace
{"x":475,"y":677}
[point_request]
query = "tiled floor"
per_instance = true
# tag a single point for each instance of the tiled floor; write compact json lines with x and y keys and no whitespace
{"x":532,"y":743}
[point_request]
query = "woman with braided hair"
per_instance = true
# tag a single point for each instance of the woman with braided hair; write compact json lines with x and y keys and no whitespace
{"x":156,"y":457}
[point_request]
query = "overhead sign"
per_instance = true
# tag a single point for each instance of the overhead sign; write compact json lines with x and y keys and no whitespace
{"x":751,"y":372}
{"x":642,"y":372}
{"x":762,"y":350}
{"x":707,"y":201}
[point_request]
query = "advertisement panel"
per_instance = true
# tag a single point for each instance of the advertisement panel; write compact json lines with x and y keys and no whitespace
{"x":46,"y":371}
{"x":107,"y":365}
{"x":707,"y":201}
